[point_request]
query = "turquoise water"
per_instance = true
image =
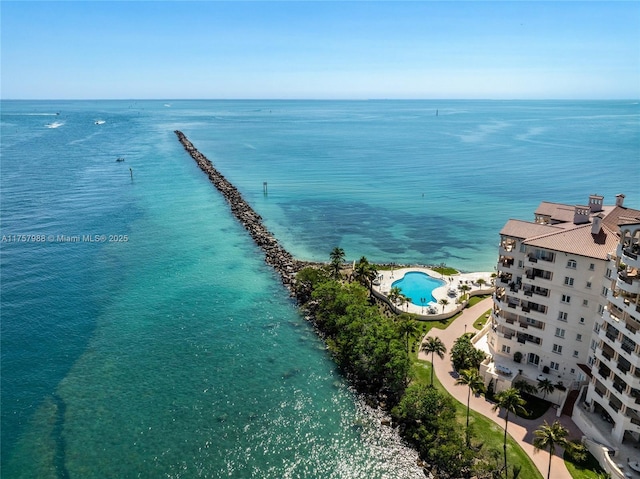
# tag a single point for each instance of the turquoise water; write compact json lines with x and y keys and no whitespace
{"x":418,"y":286}
{"x":176,"y":352}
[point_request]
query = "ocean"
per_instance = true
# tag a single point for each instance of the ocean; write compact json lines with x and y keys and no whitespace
{"x":142,"y":333}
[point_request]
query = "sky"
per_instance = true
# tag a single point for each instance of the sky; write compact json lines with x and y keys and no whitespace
{"x":320,"y":50}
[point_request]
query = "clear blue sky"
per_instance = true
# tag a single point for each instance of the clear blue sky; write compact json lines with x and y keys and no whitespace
{"x":330,"y":49}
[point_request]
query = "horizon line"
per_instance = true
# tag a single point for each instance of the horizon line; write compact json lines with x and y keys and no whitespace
{"x":321,"y":99}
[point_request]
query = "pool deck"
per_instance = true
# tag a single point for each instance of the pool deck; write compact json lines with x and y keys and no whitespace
{"x":387,"y":277}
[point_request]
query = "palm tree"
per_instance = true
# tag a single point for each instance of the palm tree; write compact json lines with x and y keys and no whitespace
{"x":337,"y":258}
{"x":475,"y":383}
{"x":510,"y":401}
{"x":481,"y":282}
{"x":365,"y":272}
{"x":394,"y":294}
{"x":443,"y":302}
{"x":547,"y":437}
{"x":464,"y":288}
{"x":407,"y":327}
{"x":434,"y":346}
{"x":545,"y":386}
{"x":525,"y":386}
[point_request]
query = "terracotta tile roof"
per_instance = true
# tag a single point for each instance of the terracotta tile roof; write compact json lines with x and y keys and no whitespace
{"x":557,"y":211}
{"x":621,"y":215}
{"x":566,"y":236}
{"x":526,"y":229}
{"x":579,"y":240}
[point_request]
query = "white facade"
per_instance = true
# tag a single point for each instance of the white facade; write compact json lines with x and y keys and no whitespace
{"x":549,"y":292}
{"x":614,"y":389}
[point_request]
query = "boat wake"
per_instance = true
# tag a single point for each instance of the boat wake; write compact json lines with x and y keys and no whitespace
{"x":55,"y":124}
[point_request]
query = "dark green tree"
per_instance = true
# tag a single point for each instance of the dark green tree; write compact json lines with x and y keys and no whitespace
{"x":307,"y":280}
{"x":365,"y":272}
{"x":429,"y":420}
{"x":464,"y":355}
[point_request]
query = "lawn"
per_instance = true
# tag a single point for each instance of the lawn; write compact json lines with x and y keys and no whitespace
{"x":482,"y":320}
{"x":590,"y":469}
{"x":492,"y":434}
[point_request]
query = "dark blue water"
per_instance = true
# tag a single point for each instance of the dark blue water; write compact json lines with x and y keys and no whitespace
{"x":166,"y":347}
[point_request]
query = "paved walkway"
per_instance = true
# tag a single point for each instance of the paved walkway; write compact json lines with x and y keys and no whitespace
{"x":519,"y":429}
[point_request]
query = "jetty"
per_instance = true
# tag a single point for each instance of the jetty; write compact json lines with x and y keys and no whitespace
{"x":275,"y":255}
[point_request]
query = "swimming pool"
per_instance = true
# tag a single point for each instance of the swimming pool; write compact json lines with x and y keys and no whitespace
{"x":417,"y":286}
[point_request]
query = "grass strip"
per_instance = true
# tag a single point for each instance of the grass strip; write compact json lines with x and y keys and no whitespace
{"x":492,"y":433}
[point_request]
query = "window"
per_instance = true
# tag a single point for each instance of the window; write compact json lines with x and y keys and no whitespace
{"x":560,"y":332}
{"x":568,"y":281}
{"x":600,"y":309}
{"x":585,"y":302}
{"x":608,"y":273}
{"x":578,"y":337}
{"x":588,"y":284}
{"x":533,"y":358}
{"x":557,"y":349}
{"x":573,"y":371}
{"x":581,"y":320}
{"x":562,"y":316}
{"x":572,"y":264}
{"x":555,"y":366}
{"x":592,"y":266}
{"x":594,"y":344}
{"x":506,"y":349}
{"x":575,"y":354}
{"x":566,"y":298}
{"x":604,"y":291}
{"x":591,"y":360}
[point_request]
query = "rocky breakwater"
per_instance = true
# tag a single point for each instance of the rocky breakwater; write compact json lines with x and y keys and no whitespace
{"x":275,"y":255}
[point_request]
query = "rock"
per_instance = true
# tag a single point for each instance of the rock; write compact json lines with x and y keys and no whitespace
{"x":275,"y":255}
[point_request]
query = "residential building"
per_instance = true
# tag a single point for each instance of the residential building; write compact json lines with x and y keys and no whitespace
{"x":613,"y":393}
{"x":549,"y":294}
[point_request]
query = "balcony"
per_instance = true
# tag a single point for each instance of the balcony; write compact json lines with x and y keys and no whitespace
{"x":631,"y":252}
{"x":620,"y":387}
{"x":534,"y":273}
{"x":508,"y":244}
{"x":523,"y":338}
{"x":629,"y":282}
{"x":628,"y":345}
{"x":541,"y":256}
{"x":623,"y":366}
{"x":604,"y":372}
{"x":506,"y":262}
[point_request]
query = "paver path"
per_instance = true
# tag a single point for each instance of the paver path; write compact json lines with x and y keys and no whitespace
{"x":520,"y":429}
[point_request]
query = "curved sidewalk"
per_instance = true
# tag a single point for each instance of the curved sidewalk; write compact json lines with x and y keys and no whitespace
{"x":519,"y":429}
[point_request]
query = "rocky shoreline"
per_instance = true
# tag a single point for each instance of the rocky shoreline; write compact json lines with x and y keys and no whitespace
{"x":275,"y":255}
